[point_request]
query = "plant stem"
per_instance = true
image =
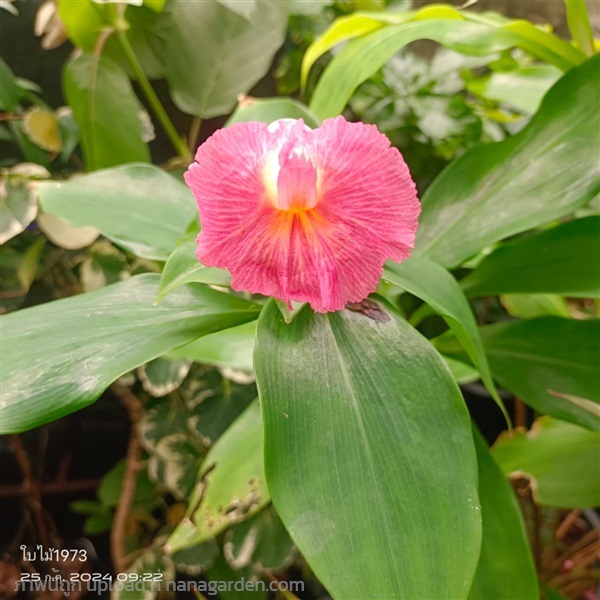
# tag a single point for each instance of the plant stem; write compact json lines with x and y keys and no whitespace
{"x":158,"y":109}
{"x":34,"y":497}
{"x":194,"y":132}
{"x":129,"y":483}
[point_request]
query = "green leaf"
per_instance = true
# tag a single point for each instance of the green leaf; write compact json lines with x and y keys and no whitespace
{"x":549,"y":593}
{"x":173,"y":463}
{"x":462,"y":31}
{"x":5,"y":134}
{"x":18,"y":207}
{"x":145,"y":33}
{"x":561,"y":460}
{"x":156,"y":5}
{"x":10,"y":94}
{"x":246,"y":9}
{"x":69,"y":131}
{"x":561,"y":260}
{"x":579,"y":25}
{"x":435,"y":286}
{"x":529,"y":306}
{"x":196,"y":559}
{"x":522,"y":89}
{"x":106,"y":110}
{"x":232,"y":483}
{"x":31,"y":152}
{"x":301,"y":7}
{"x":230,"y":584}
{"x":214,"y":403}
{"x":151,"y":567}
{"x":506,"y":570}
{"x":109,"y":490}
{"x":131,"y":2}
{"x":86,"y":507}
{"x":183,"y":267}
{"x":231,"y":348}
{"x":268,"y":110}
{"x":27,"y":269}
{"x":543,"y":173}
{"x":162,"y":418}
{"x":548,"y":362}
{"x":64,"y":354}
{"x":461,"y":372}
{"x":341,"y":30}
{"x":261,"y":541}
{"x":98,"y":523}
{"x":369,"y":454}
{"x":160,"y":376}
{"x":235,"y":54}
{"x":84,"y":22}
{"x":139,"y":207}
{"x":41,"y":127}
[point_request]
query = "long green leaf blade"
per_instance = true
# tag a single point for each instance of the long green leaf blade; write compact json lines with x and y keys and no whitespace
{"x":544,"y":172}
{"x":579,"y":25}
{"x":106,"y":110}
{"x":435,"y":286}
{"x":460,"y":31}
{"x":550,"y":363}
{"x":368,"y":453}
{"x":562,"y":260}
{"x":506,"y":570}
{"x":183,"y":267}
{"x":64,"y":354}
{"x":561,"y":459}
{"x":231,"y":484}
{"x":241,"y":53}
{"x":139,"y":207}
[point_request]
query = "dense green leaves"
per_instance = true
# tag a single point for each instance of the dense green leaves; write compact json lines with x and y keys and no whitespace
{"x":106,"y":110}
{"x":529,"y":306}
{"x":83,"y":21}
{"x":231,"y":348}
{"x":64,"y":354}
{"x":161,"y":376}
{"x":246,"y":9}
{"x":9,"y":90}
{"x":368,"y":453}
{"x":381,"y":36}
{"x":561,"y":260}
{"x":232,"y":482}
{"x":234,"y":53}
{"x":545,"y":172}
{"x":261,"y":540}
{"x":268,"y":110}
{"x":183,"y":267}
{"x":579,"y":25}
{"x":550,"y":363}
{"x":341,"y":30}
{"x":521,"y":88}
{"x":434,"y":285}
{"x":561,"y":460}
{"x":18,"y":207}
{"x":506,"y":570}
{"x":140,"y":207}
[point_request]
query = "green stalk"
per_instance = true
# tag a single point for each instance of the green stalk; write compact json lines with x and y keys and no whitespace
{"x":158,"y":109}
{"x":579,"y":25}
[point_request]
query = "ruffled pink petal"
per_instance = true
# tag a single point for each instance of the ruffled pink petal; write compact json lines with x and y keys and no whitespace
{"x":303,"y":215}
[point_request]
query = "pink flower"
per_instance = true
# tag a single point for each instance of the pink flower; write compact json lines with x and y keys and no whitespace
{"x":300,"y":214}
